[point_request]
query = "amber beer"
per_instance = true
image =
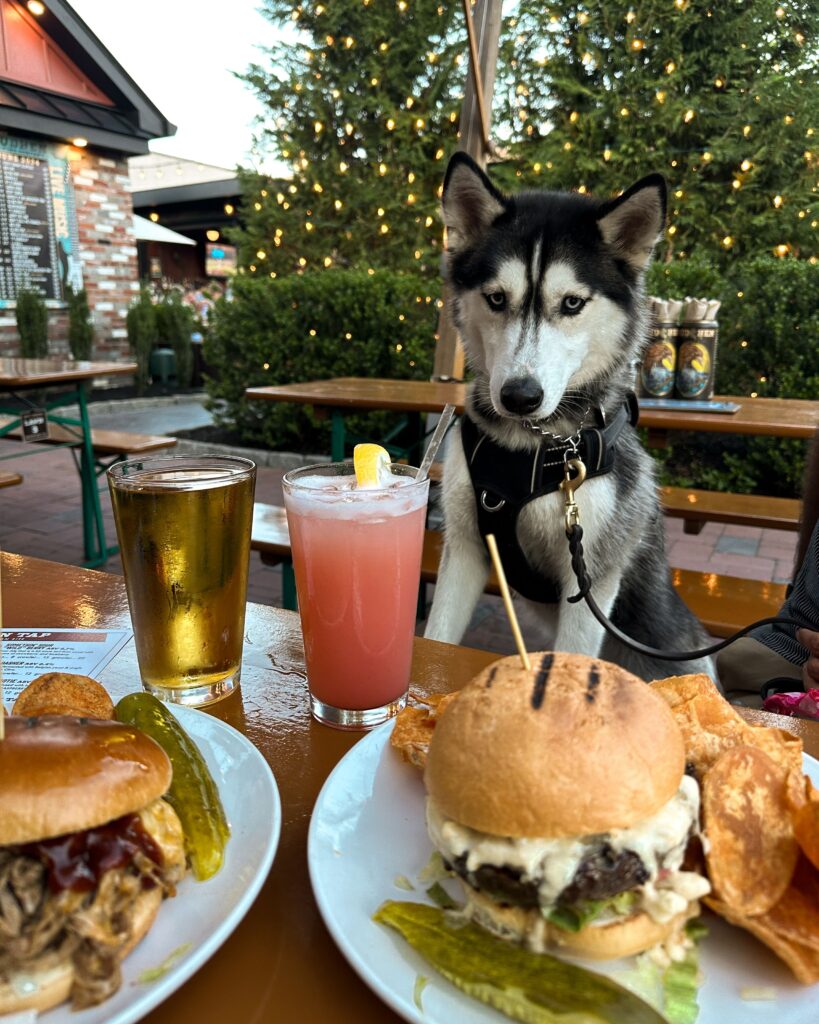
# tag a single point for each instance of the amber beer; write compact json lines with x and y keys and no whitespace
{"x":184,"y":525}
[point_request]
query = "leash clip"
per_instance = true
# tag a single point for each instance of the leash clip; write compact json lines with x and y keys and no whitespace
{"x":569,"y":485}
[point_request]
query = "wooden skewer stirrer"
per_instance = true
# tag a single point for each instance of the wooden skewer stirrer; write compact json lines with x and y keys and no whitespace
{"x":507,"y":600}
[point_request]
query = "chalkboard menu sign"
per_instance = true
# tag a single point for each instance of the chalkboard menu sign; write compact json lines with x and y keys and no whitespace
{"x":38,"y":222}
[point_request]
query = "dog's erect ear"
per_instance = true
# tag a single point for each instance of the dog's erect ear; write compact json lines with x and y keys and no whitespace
{"x":631,"y":223}
{"x":470,"y":202}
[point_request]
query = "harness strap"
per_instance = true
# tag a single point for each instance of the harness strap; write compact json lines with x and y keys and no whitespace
{"x":505,"y":481}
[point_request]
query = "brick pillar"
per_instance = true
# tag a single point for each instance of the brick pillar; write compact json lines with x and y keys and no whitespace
{"x":108,"y":248}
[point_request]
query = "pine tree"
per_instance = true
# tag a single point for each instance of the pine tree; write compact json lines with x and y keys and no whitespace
{"x":720,"y":97}
{"x":364,"y":109}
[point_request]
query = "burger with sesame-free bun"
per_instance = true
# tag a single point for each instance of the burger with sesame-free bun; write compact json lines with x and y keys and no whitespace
{"x":88,"y":850}
{"x":559,"y":797}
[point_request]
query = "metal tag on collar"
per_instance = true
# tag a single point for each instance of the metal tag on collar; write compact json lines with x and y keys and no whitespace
{"x":574,"y":473}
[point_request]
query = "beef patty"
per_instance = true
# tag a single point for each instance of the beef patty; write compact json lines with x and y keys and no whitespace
{"x":600,"y":875}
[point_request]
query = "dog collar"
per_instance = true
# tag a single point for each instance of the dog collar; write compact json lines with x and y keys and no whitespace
{"x":505,"y":481}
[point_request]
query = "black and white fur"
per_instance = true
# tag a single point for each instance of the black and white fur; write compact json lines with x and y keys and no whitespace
{"x":547,"y":294}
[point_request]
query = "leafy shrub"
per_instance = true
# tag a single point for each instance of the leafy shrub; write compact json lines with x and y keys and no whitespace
{"x":695,"y":276}
{"x":80,"y":328}
{"x":174,"y":326}
{"x":768,"y":345}
{"x":32,"y":324}
{"x":142,"y":335}
{"x":316,"y":325}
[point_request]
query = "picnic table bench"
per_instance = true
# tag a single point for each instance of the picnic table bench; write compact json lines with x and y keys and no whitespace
{"x":724,"y":604}
{"x":696,"y":507}
{"x":104,"y":442}
{"x":54,"y":386}
{"x":10,"y":479}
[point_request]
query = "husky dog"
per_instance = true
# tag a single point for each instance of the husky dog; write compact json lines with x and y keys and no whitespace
{"x":547,"y":293}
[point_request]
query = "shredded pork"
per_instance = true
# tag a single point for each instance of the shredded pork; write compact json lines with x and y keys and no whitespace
{"x":40,"y":929}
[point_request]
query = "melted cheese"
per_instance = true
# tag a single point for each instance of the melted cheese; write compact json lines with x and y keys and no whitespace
{"x":659,"y":842}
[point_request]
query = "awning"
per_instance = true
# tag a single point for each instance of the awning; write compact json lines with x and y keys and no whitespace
{"x":147,"y":231}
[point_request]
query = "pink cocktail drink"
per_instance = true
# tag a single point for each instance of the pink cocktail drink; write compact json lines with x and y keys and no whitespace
{"x":357,"y":559}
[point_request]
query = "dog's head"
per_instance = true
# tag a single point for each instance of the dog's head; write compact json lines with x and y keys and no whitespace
{"x":547,"y":286}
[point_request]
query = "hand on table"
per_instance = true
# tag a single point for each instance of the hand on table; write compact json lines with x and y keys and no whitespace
{"x":809,"y":638}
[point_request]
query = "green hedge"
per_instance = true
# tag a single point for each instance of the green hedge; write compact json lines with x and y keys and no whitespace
{"x":332,"y":323}
{"x":769,"y":328}
{"x":174,"y":326}
{"x":32,"y":324}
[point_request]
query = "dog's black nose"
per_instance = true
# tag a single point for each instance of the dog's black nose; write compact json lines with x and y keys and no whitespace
{"x":521,"y":395}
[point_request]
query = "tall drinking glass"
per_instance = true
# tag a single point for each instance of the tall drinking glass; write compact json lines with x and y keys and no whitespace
{"x":357,"y":559}
{"x":183,"y":524}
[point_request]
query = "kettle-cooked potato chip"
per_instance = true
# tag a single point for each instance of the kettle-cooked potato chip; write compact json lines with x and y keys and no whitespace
{"x":64,"y":693}
{"x":806,"y":828}
{"x":709,"y":724}
{"x":413,"y":726}
{"x":751,"y":849}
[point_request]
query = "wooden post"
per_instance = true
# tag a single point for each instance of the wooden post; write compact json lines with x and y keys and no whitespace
{"x":476,"y":112}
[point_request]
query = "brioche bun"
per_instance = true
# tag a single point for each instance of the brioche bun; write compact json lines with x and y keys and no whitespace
{"x":40,"y":990}
{"x":63,"y":774}
{"x":576,"y":746}
{"x":624,"y":937}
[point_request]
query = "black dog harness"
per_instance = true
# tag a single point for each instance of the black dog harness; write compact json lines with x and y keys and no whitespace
{"x":505,"y":481}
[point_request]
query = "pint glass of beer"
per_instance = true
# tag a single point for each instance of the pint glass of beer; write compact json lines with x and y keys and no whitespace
{"x":183,"y":524}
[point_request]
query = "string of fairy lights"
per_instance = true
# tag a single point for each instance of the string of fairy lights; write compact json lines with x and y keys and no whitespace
{"x":409,"y":118}
{"x":743,"y":173}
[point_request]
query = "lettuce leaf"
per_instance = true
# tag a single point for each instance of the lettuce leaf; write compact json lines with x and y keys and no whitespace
{"x":572,"y":917}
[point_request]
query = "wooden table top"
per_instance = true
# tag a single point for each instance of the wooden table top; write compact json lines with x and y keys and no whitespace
{"x":280,"y":963}
{"x":26,"y":372}
{"x":774,"y":417}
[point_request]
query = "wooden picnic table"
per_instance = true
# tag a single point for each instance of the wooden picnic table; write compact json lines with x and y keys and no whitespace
{"x":280,"y":963}
{"x":337,"y":396}
{"x":72,"y":378}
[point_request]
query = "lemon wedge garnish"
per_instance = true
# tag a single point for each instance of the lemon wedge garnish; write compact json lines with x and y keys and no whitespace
{"x":372,"y":465}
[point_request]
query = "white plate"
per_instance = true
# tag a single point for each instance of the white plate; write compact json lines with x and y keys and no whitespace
{"x":368,"y":830}
{"x":202,"y":914}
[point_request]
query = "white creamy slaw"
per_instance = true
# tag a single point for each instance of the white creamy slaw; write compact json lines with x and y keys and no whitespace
{"x":659,"y":842}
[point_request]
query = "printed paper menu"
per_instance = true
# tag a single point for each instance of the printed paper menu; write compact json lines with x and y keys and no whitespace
{"x":28,"y":653}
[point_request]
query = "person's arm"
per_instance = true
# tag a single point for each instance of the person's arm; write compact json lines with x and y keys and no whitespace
{"x":809,"y":639}
{"x":802,"y":604}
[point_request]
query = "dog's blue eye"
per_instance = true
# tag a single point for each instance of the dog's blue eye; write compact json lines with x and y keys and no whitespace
{"x":572,"y":304}
{"x":496,"y":300}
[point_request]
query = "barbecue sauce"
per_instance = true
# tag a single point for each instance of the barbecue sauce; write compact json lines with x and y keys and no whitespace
{"x":78,"y":860}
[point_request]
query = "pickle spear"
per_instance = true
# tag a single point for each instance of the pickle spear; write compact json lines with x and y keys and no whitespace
{"x":530,"y":987}
{"x":193,"y":793}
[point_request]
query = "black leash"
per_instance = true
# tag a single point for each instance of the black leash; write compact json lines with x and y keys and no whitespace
{"x":574,"y":531}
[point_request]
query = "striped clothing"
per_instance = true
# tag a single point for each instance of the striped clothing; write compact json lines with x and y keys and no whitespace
{"x":802,"y":604}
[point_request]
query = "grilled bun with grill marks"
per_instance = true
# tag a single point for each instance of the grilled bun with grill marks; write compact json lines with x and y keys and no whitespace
{"x":576,"y":746}
{"x":559,"y":797}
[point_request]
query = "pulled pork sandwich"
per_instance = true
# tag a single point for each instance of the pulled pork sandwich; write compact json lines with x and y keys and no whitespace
{"x":560,"y":798}
{"x":88,"y":849}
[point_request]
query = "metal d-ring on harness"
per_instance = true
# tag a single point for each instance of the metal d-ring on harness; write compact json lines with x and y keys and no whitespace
{"x":574,"y":473}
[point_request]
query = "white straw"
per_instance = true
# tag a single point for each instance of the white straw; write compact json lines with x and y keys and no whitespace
{"x":435,"y":443}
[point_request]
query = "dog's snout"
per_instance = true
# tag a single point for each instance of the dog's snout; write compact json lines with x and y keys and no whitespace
{"x":521,"y":395}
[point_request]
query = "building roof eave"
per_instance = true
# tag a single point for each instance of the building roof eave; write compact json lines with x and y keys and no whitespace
{"x":56,"y":128}
{"x":224,"y":189}
{"x":67,"y":29}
